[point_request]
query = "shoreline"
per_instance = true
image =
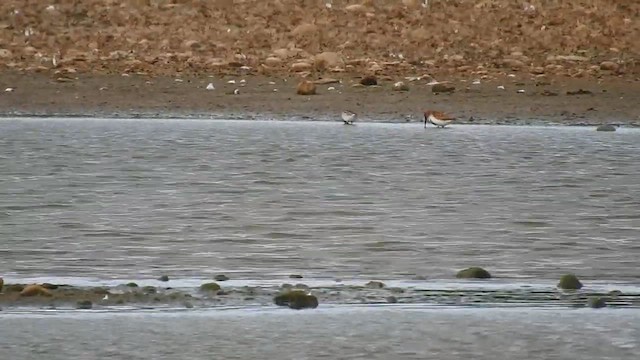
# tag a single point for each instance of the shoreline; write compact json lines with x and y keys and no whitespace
{"x":558,"y":101}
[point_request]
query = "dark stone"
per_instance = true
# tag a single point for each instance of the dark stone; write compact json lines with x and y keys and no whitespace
{"x":569,"y":282}
{"x":84,"y":305}
{"x":164,"y":278}
{"x":295,"y":276}
{"x":473,"y":272}
{"x":221,"y":277}
{"x":49,"y":286}
{"x":296,"y":300}
{"x":132,"y":284}
{"x":392,"y":300}
{"x":442,"y":88}
{"x":579,"y":92}
{"x":149,"y":290}
{"x":606,"y":127}
{"x":597,"y":303}
{"x":369,"y":80}
{"x":374,"y":285}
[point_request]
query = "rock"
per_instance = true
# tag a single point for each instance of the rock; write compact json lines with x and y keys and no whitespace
{"x":35,"y":290}
{"x":392,"y":299}
{"x":295,"y":276}
{"x":473,"y":273}
{"x":597,"y":302}
{"x":569,"y":282}
{"x":13,"y":288}
{"x":606,"y":127}
{"x":188,"y":305}
{"x":164,"y":278}
{"x":374,"y":285}
{"x":548,"y":93}
{"x":84,"y":305}
{"x":579,"y":92}
{"x":132,"y":285}
{"x":49,"y":286}
{"x":4,"y":53}
{"x":208,"y":287}
{"x":325,"y":81}
{"x":1,"y":284}
{"x":221,"y":277}
{"x":442,"y":88}
{"x":149,"y":290}
{"x":300,"y":67}
{"x":400,"y":86}
{"x":356,"y":8}
{"x":306,"y":88}
{"x":513,"y":64}
{"x":328,"y":59}
{"x":615,"y":293}
{"x":369,"y":80}
{"x":304,"y":30}
{"x":608,"y":65}
{"x":273,"y":61}
{"x":538,"y":70}
{"x":296,"y":299}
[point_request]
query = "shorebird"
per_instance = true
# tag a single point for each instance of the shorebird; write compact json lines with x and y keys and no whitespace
{"x":437,"y":118}
{"x":349,"y":117}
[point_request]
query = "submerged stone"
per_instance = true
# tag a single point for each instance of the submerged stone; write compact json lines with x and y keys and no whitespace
{"x":295,"y":276}
{"x":84,"y":305}
{"x":597,"y":302}
{"x":1,"y":284}
{"x":209,"y":287}
{"x":221,"y":277}
{"x":164,"y":278}
{"x":606,"y":127}
{"x":473,"y":272}
{"x":569,"y":282}
{"x":375,"y":284}
{"x":132,"y":284}
{"x":615,"y":293}
{"x":296,"y":299}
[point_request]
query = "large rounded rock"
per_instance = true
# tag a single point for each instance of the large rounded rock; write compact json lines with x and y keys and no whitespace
{"x":473,"y":273}
{"x":209,"y":287}
{"x":569,"y":282}
{"x":606,"y":127}
{"x":306,"y":88}
{"x":296,"y":299}
{"x":1,"y":284}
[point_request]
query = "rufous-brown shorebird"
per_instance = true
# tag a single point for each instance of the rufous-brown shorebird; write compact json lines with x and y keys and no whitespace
{"x":437,"y":118}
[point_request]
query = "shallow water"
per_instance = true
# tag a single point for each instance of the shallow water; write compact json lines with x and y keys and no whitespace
{"x":101,"y":202}
{"x":123,"y":199}
{"x":336,"y":333}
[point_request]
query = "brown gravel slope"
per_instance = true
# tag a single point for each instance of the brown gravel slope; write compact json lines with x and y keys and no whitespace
{"x":575,"y":38}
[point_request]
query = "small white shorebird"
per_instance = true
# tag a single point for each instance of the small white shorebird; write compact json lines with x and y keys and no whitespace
{"x":349,"y":117}
{"x":437,"y":118}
